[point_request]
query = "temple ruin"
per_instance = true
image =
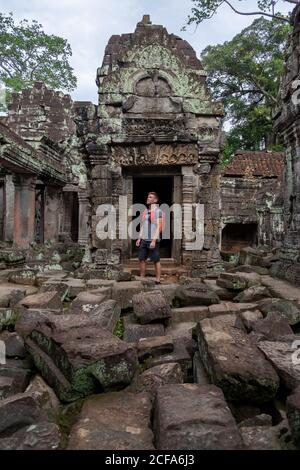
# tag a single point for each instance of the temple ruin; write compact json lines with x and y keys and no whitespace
{"x":94,"y":357}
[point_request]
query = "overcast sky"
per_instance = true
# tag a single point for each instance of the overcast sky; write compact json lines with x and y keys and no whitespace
{"x":88,"y":24}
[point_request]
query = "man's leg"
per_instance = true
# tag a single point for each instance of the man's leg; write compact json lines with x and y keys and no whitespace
{"x":143,"y":268}
{"x":157,"y":271}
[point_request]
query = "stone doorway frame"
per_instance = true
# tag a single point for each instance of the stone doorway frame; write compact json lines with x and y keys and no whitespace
{"x":175,"y":172}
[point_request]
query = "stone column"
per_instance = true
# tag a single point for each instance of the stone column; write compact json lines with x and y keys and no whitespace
{"x":9,"y":209}
{"x":24,"y":209}
{"x":52,"y":211}
{"x":84,"y":214}
{"x":187,"y":201}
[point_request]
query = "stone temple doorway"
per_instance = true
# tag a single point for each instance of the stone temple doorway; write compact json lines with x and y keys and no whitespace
{"x":163,"y":186}
{"x":238,"y":236}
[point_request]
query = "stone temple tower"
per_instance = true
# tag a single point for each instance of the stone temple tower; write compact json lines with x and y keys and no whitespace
{"x":287,"y":123}
{"x":156,"y":129}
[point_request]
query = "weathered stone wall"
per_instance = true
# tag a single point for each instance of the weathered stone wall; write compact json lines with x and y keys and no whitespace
{"x":250,"y":200}
{"x":287,"y":123}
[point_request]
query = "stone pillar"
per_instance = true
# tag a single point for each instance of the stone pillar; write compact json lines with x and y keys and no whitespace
{"x":8,"y":229}
{"x":84,"y":214}
{"x":188,"y":185}
{"x":52,"y":211}
{"x":24,"y":209}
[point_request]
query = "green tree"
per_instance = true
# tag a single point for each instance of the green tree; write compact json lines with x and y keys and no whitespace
{"x":28,"y":54}
{"x":245,"y":74}
{"x":206,"y":9}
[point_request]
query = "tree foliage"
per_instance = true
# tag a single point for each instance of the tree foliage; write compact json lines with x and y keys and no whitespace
{"x":28,"y":54}
{"x":245,"y":74}
{"x":206,"y":9}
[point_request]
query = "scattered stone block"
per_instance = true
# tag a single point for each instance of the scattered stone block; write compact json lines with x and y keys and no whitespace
{"x":284,"y":356}
{"x":233,"y":363}
{"x":189,"y":314}
{"x":153,"y":378}
{"x":195,"y":294}
{"x":123,"y":292}
{"x":76,"y":355}
{"x":151,"y":306}
{"x":37,"y":436}
{"x":133,"y":331}
{"x":86,"y":303}
{"x":154,"y":346}
{"x":293,"y":414}
{"x":194,"y":417}
{"x":43,"y":300}
{"x":273,"y":327}
{"x":249,"y":318}
{"x":283,"y":307}
{"x":17,"y":411}
{"x":119,"y":421}
{"x":252,"y":294}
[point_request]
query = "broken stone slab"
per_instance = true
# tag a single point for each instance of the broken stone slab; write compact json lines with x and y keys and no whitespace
{"x":293,"y":414}
{"x":238,"y":281}
{"x":183,"y":354}
{"x":86,"y":302}
{"x":286,"y":308}
{"x":284,"y":356}
{"x":14,"y":345}
{"x":123,"y":292}
{"x":134,"y":331}
{"x":189,"y":314}
{"x":151,"y":379}
{"x":151,"y":306}
{"x":179,"y":330}
{"x":249,"y":318}
{"x":17,"y":373}
{"x":222,"y":293}
{"x":154,"y":346}
{"x":24,"y":277}
{"x":38,"y":436}
{"x":195,"y":294}
{"x":119,"y":421}
{"x":43,"y":300}
{"x":43,"y":395}
{"x":252,"y":294}
{"x":76,"y":355}
{"x":17,"y":411}
{"x":247,"y":268}
{"x":258,"y":420}
{"x":273,"y":327}
{"x":168,"y":290}
{"x":281,"y":289}
{"x":266,"y":437}
{"x":233,"y":363}
{"x":194,"y":417}
{"x":101,"y":283}
{"x":6,"y":387}
{"x":199,"y":372}
{"x":10,"y":295}
{"x":72,"y":287}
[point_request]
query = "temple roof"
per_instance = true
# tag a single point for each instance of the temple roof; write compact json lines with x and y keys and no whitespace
{"x":265,"y":164}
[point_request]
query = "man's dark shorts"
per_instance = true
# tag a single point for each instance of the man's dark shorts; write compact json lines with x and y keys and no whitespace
{"x":145,"y":251}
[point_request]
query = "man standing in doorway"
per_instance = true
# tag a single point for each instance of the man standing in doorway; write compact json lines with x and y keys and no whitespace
{"x":149,"y":239}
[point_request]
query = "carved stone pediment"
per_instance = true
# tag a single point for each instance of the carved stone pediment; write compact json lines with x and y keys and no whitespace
{"x":178,"y":154}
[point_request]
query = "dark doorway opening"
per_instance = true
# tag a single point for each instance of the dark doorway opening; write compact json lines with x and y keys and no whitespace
{"x":74,"y":217}
{"x":238,"y":236}
{"x":163,"y":186}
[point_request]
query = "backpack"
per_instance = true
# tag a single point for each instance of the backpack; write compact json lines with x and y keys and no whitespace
{"x":152,"y":216}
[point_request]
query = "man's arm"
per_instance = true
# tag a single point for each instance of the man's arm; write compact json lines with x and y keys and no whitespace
{"x":138,"y":242}
{"x":157,"y":231}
